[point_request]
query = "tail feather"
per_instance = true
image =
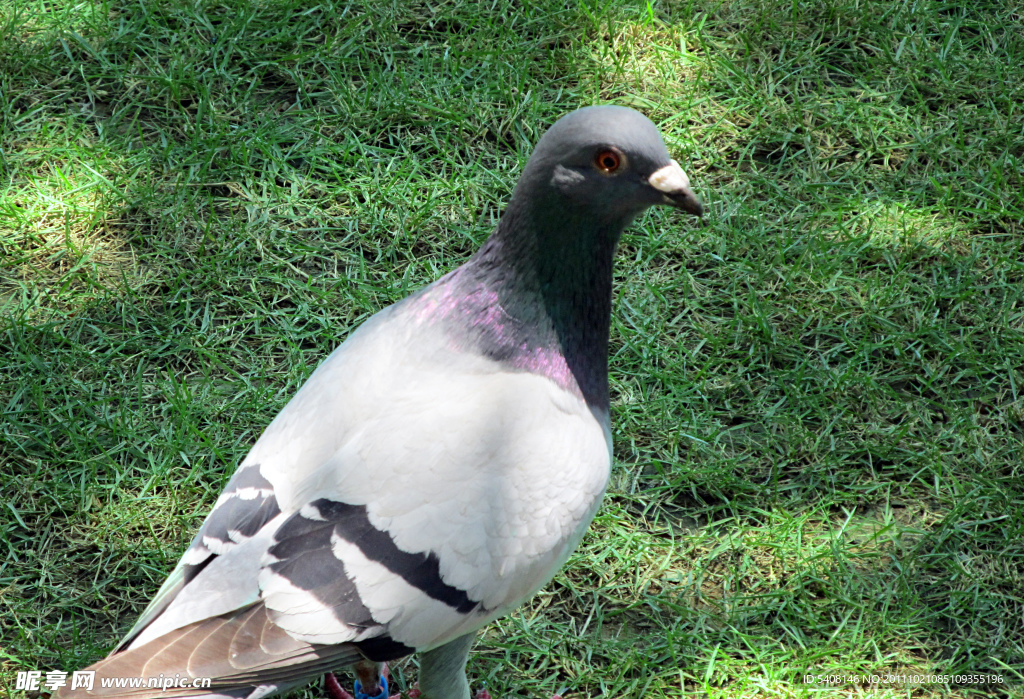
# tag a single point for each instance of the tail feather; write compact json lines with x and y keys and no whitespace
{"x":240,"y":653}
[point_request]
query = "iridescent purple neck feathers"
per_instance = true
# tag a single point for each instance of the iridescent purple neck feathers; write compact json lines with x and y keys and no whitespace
{"x":474,"y":318}
{"x":534,"y":301}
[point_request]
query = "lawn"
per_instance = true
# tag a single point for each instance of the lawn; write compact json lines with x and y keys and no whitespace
{"x":817,"y":397}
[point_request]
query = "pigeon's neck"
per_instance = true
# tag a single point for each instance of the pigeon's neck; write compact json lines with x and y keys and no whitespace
{"x":545,"y":278}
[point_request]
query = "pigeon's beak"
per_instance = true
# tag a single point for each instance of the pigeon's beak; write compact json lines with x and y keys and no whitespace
{"x":674,"y":186}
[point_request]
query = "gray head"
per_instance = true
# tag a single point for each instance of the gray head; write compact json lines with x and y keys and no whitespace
{"x":609,"y":162}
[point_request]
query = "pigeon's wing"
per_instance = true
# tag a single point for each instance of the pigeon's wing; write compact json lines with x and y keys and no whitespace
{"x":250,"y":502}
{"x":406,"y":496}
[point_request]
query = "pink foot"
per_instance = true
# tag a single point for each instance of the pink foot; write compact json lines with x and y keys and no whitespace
{"x":334,"y":688}
{"x":482,"y":694}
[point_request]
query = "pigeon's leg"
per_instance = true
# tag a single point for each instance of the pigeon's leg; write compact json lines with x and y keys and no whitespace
{"x":443,"y":670}
{"x":368,"y":678}
{"x":371,"y":682}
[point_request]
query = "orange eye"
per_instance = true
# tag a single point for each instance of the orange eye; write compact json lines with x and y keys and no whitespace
{"x":608,"y":161}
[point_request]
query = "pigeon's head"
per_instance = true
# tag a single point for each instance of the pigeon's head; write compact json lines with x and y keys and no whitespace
{"x":608,"y":162}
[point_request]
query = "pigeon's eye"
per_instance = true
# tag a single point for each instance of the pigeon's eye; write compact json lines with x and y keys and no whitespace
{"x":608,"y":161}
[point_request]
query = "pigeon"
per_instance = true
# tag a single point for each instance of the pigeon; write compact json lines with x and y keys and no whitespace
{"x":435,"y":471}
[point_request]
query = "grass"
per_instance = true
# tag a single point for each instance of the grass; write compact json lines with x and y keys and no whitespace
{"x":817,"y":403}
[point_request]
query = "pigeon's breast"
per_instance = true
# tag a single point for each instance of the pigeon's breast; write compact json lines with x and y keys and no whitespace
{"x":494,"y":470}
